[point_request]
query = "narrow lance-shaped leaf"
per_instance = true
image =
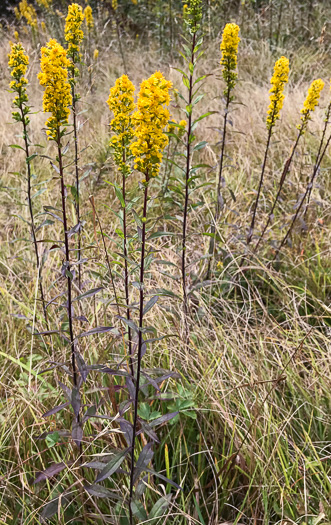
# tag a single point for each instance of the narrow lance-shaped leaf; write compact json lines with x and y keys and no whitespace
{"x":113,"y":465}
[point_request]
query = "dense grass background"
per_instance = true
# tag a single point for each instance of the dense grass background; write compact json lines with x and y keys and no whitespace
{"x":256,"y":377}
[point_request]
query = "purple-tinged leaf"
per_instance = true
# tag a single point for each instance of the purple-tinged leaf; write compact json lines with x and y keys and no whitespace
{"x":101,"y":492}
{"x":75,"y":401}
{"x":74,"y":229}
{"x":77,"y":433}
{"x":48,"y":332}
{"x":129,"y":322}
{"x":131,"y":388}
{"x":81,"y":318}
{"x":163,"y":419}
{"x":158,"y":475}
{"x":127,"y":429}
{"x":112,"y":465}
{"x":98,"y":465}
{"x":145,"y":457}
{"x":148,"y":431}
{"x":98,"y":330}
{"x":20,"y":316}
{"x":66,"y":390}
{"x":81,"y":366}
{"x":150,"y":380}
{"x":90,"y":412}
{"x":49,"y":472}
{"x":150,"y":304}
{"x":114,"y":372}
{"x":89,"y":293}
{"x":55,"y":409}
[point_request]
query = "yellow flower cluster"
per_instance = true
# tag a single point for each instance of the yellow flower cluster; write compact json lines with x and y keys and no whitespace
{"x":18,"y":63}
{"x":114,"y":4}
{"x":45,"y":3}
{"x":150,"y":120}
{"x":178,"y":129}
{"x":193,"y":15}
{"x":229,"y":48}
{"x":96,"y":54}
{"x":73,"y":32}
{"x":314,"y":93}
{"x":278,"y":81}
{"x":89,"y":17}
{"x":54,"y":77}
{"x":28,"y":12}
{"x":121,"y":103}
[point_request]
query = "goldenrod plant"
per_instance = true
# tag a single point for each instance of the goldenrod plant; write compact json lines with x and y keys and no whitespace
{"x":278,"y":82}
{"x":229,"y":48}
{"x":191,"y":55}
{"x":149,"y":123}
{"x":121,"y":104}
{"x":57,"y":100}
{"x":322,"y":150}
{"x":309,"y":106}
{"x":74,"y":36}
{"x":18,"y":65}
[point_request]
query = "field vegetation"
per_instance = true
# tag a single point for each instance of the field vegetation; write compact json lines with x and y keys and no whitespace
{"x":165,"y":263}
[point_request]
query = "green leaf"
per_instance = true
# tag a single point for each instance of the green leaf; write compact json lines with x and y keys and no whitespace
{"x":186,"y":82}
{"x":29,"y":159}
{"x":16,"y":146}
{"x":201,"y":145}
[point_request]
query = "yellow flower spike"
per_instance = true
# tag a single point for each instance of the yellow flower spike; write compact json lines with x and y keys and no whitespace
{"x":150,"y":120}
{"x":96,"y":54}
{"x":114,"y":4}
{"x":43,"y":27}
{"x":121,"y":103}
{"x":54,"y":77}
{"x":16,"y":35}
{"x":89,"y":18}
{"x":18,"y":64}
{"x":229,"y":48}
{"x":312,"y":99}
{"x":28,"y":12}
{"x":73,"y":31}
{"x":278,"y":81}
{"x":45,"y":3}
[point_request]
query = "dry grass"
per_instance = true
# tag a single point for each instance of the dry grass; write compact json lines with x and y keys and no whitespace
{"x":258,"y":368}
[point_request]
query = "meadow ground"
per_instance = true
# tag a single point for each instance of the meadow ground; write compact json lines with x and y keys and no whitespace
{"x":255,"y":378}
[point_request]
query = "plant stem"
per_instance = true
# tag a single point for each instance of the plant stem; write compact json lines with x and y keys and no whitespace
{"x":77,"y":199}
{"x":309,"y":186}
{"x":140,"y":341}
{"x":120,"y":43}
{"x":33,"y":228}
{"x":187,"y":176}
{"x":218,"y":193}
{"x":251,"y":229}
{"x":281,"y":183}
{"x":126,"y":270}
{"x":327,"y":116}
{"x":106,"y":254}
{"x":67,"y":259}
